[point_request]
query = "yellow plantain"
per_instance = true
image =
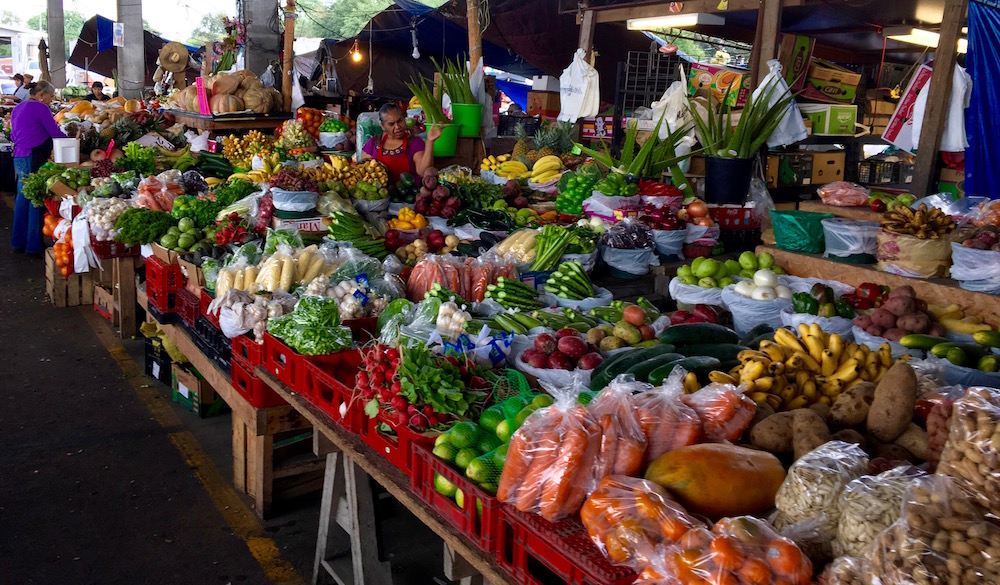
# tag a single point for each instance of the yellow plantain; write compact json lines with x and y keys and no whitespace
{"x":797,"y":402}
{"x":776,"y":368}
{"x":801,"y":378}
{"x":774,"y":351}
{"x":825,"y":400}
{"x":763,"y":384}
{"x":785,"y":337}
{"x":815,"y":346}
{"x":751,"y":371}
{"x":802,"y":360}
{"x":817,"y":331}
{"x":721,"y":378}
{"x":774,"y":401}
{"x":885,"y":355}
{"x":803,"y":330}
{"x":788,"y":394}
{"x":828,"y":364}
{"x":752,"y":355}
{"x":759,"y":397}
{"x":691,"y":384}
{"x":836,"y":345}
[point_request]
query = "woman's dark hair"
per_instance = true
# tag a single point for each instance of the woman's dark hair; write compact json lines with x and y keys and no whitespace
{"x":18,"y":77}
{"x":41,"y":88}
{"x":97,"y":85}
{"x":389,"y":107}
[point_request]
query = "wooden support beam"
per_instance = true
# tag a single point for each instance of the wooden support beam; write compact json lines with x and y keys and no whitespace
{"x":287,"y":67}
{"x":587,"y":28}
{"x":767,"y":38}
{"x":937,"y":101}
{"x":621,"y":14}
{"x":475,"y":35}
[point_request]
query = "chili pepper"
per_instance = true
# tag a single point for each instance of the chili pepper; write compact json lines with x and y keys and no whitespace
{"x":805,"y":303}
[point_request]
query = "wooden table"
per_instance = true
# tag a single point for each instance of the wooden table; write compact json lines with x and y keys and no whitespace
{"x":364,"y":460}
{"x":943,"y":291}
{"x":255,"y":471}
{"x":862,"y":213}
{"x":229,"y":123}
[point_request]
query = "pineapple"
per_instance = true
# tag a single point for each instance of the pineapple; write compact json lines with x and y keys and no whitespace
{"x":564,"y":137}
{"x":545,"y":141}
{"x":521,"y":146}
{"x":107,"y":133}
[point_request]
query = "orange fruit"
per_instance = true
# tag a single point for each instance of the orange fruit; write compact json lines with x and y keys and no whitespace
{"x":727,"y":553}
{"x":755,"y":572}
{"x":784,"y":557}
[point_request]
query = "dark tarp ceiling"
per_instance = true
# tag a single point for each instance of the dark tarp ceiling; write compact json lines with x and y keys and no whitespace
{"x":94,"y":50}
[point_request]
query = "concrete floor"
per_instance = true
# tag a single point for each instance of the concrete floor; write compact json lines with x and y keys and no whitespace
{"x":93,"y":489}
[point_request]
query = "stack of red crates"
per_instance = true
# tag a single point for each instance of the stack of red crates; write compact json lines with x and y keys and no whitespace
{"x":247,"y":355}
{"x":329,"y":384}
{"x":163,"y":280}
{"x":188,"y":307}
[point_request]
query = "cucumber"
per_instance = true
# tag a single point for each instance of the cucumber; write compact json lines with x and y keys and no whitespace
{"x":701,"y":333}
{"x":580,"y":326}
{"x":701,"y":366}
{"x":924,"y":342}
{"x":642,"y":370}
{"x":728,"y":365}
{"x":757,"y":331}
{"x":721,"y":351}
{"x":621,"y":362}
{"x":971,"y":350}
{"x":988,"y":338}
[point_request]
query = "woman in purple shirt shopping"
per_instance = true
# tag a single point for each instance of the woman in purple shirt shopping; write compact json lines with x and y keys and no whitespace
{"x":32,"y":131}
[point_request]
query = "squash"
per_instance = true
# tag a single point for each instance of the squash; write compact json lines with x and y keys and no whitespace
{"x":719,"y":479}
{"x":132,"y":106}
{"x":192,"y":99}
{"x":82,"y":107}
{"x":224,"y":83}
{"x":222,"y":103}
{"x":277,"y":101}
{"x":258,"y":99}
{"x":251,"y":82}
{"x":118,"y":100}
{"x":245,"y":73}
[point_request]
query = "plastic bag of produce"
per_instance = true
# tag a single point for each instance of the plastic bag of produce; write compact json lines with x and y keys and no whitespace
{"x":940,"y":537}
{"x":551,"y":376}
{"x":552,"y":458}
{"x":294,"y":200}
{"x":976,"y":270}
{"x":309,"y":339}
{"x":628,"y":518}
{"x":588,"y":261}
{"x":844,"y":194}
{"x":846,"y":238}
{"x":608,"y":208}
{"x":869,"y":505}
{"x":667,"y":422}
{"x":702,"y":235}
{"x":623,"y":444}
{"x":830,"y":325}
{"x":970,"y":447}
{"x":814,"y":483}
{"x":725,"y":411}
{"x":800,"y":284}
{"x":285,"y":236}
{"x":692,"y":294}
{"x":748,"y":313}
{"x":910,"y":256}
{"x":670,"y":242}
{"x":939,"y":421}
{"x":873,"y":342}
{"x":846,"y":571}
{"x":631,"y":261}
{"x":799,"y":231}
{"x":602,"y":298}
{"x":372,"y":205}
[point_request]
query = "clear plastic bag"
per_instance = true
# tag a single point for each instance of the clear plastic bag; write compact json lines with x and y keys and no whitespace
{"x":844,"y":194}
{"x":552,"y":457}
{"x":941,"y":537}
{"x":628,"y":234}
{"x":627,"y":518}
{"x":703,"y":235}
{"x":849,"y":237}
{"x":666,"y":421}
{"x":970,"y":451}
{"x":725,"y":411}
{"x":748,"y":313}
{"x":869,"y":505}
{"x":692,"y":294}
{"x":623,"y":444}
{"x":976,"y":270}
{"x":939,"y":422}
{"x":602,"y":298}
{"x":550,"y":376}
{"x":285,"y":236}
{"x":846,"y":571}
{"x":309,"y":339}
{"x":670,"y":242}
{"x":297,"y":201}
{"x":873,"y":342}
{"x":830,"y":325}
{"x":814,"y":483}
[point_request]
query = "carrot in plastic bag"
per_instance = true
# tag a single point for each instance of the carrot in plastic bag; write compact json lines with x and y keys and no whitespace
{"x":615,"y":401}
{"x":582,"y":485}
{"x":666,"y":421}
{"x":724,"y":410}
{"x":628,"y":458}
{"x":516,"y":467}
{"x":546,"y":453}
{"x":557,"y":487}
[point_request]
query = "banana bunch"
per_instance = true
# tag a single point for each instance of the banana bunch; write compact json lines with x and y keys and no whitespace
{"x":339,"y":169}
{"x":795,"y":371}
{"x":213,"y":181}
{"x":923,"y":223}
{"x":241,"y":150}
{"x":954,"y":319}
{"x":513,"y":169}
{"x":181,"y":160}
{"x":545,"y":169}
{"x":271,"y":165}
{"x":491,"y":163}
{"x":372,"y":172}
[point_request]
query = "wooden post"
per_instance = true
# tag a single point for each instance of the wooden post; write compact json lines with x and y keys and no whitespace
{"x":475,"y":36}
{"x":937,"y":101}
{"x":768,"y":36}
{"x":287,"y":67}
{"x":587,"y":34}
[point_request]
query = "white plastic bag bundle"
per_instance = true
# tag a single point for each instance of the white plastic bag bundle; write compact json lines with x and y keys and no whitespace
{"x":873,"y":342}
{"x":673,"y":107}
{"x":588,"y":261}
{"x":843,"y":327}
{"x":297,"y":201}
{"x":800,"y":284}
{"x":704,"y":235}
{"x":977,"y":270}
{"x":692,"y":294}
{"x":579,"y":90}
{"x":633,"y":261}
{"x":602,"y":298}
{"x":846,"y":237}
{"x":604,"y":206}
{"x":371,"y":205}
{"x":791,"y":129}
{"x":670,"y":242}
{"x":748,"y":313}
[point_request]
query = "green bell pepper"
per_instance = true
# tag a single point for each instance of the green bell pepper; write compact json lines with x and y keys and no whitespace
{"x":805,"y":303}
{"x":844,"y":310}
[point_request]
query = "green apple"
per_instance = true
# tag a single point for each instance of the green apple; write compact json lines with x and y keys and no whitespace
{"x":733,"y":267}
{"x":765,"y":260}
{"x":748,"y":261}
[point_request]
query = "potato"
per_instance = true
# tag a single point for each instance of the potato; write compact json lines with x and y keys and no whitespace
{"x":916,"y":323}
{"x":863,"y":321}
{"x":883,"y":318}
{"x":914,"y":440}
{"x":875,"y":330}
{"x":850,"y":436}
{"x":823,"y":410}
{"x":895,"y":334}
{"x":892,"y":452}
{"x":903,"y":291}
{"x":762,"y":411}
{"x":809,"y":431}
{"x":851,"y":407}
{"x":900,"y":306}
{"x":892,"y":406}
{"x":774,"y":433}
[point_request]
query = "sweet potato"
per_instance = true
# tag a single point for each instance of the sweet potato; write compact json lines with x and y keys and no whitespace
{"x":900,"y":306}
{"x":915,"y":323}
{"x":774,"y":433}
{"x":851,"y":407}
{"x":914,"y":440}
{"x":809,"y":431}
{"x":892,"y":405}
{"x":883,"y":318}
{"x":850,"y":436}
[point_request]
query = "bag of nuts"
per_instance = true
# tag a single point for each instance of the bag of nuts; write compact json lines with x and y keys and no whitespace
{"x":941,"y":537}
{"x":846,"y":571}
{"x":814,"y":482}
{"x":972,"y":453}
{"x":869,"y":505}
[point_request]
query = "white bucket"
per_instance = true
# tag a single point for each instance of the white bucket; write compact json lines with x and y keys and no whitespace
{"x":66,"y":150}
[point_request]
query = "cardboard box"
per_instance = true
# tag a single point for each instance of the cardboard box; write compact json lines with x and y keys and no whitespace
{"x":168,"y":256}
{"x":830,"y":83}
{"x":795,"y":54}
{"x":697,"y":167}
{"x":880,"y":107}
{"x":61,"y":190}
{"x":545,"y":83}
{"x":193,"y":393}
{"x":828,"y":167}
{"x":195,"y":277}
{"x":771,"y":173}
{"x":306,"y":224}
{"x":718,"y":79}
{"x":831,"y":120}
{"x":952,"y":175}
{"x":544,"y":103}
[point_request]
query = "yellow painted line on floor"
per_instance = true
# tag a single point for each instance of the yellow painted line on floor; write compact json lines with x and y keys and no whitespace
{"x":234,"y":510}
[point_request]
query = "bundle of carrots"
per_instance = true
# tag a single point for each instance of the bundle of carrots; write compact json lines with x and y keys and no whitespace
{"x":623,"y":443}
{"x":725,"y":412}
{"x":466,"y":277}
{"x":666,"y":422}
{"x":158,"y":195}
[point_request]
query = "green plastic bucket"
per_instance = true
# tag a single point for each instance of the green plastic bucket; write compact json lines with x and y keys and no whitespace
{"x":799,"y":231}
{"x":447,"y":143}
{"x":469,"y":117}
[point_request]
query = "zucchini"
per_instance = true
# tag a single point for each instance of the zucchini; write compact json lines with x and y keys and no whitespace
{"x":701,"y":333}
{"x":973,"y":351}
{"x":621,"y":362}
{"x":757,"y":331}
{"x":988,"y":338}
{"x":580,"y":326}
{"x":755,"y":342}
{"x":917,"y":341}
{"x":701,"y":366}
{"x":642,"y":370}
{"x":721,"y":351}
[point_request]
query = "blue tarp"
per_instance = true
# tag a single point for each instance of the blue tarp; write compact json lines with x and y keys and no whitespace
{"x":517,"y":92}
{"x":982,"y":174}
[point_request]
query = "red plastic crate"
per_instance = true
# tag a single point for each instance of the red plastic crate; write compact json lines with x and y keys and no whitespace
{"x":362,"y":330}
{"x":247,"y":350}
{"x":536,"y":552}
{"x":481,"y":527}
{"x":188,"y":307}
{"x":52,"y":206}
{"x":285,"y":363}
{"x":206,"y":300}
{"x":256,"y":392}
{"x":734,"y":218}
{"x":329,"y":385}
{"x":105,"y":250}
{"x":163,"y":276}
{"x":398,"y":448}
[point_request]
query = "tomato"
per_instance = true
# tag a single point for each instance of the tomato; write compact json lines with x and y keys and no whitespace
{"x":755,"y":572}
{"x":727,"y":553}
{"x":784,"y":557}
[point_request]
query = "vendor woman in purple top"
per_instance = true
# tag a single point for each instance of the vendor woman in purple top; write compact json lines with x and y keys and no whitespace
{"x":32,"y":131}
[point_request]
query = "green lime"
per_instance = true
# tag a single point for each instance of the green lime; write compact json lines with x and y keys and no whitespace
{"x":443,"y":486}
{"x":513,"y":405}
{"x":487,"y":443}
{"x":523,"y":415}
{"x":464,"y":457}
{"x":460,"y":498}
{"x":500,"y":456}
{"x":491,"y":417}
{"x":445,"y":451}
{"x":186,"y":224}
{"x":503,"y":431}
{"x":441,"y":439}
{"x":541,"y":401}
{"x":585,"y":397}
{"x":463,"y":434}
{"x":480,"y":470}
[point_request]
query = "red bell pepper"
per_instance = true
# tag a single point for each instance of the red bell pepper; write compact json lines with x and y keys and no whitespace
{"x":869,"y":291}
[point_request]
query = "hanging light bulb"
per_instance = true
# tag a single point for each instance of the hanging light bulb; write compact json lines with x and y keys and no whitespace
{"x":355,"y":53}
{"x":413,"y":35}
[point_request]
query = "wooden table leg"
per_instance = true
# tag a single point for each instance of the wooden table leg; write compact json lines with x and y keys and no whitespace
{"x":261,"y":448}
{"x":123,"y":272}
{"x":458,"y":569}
